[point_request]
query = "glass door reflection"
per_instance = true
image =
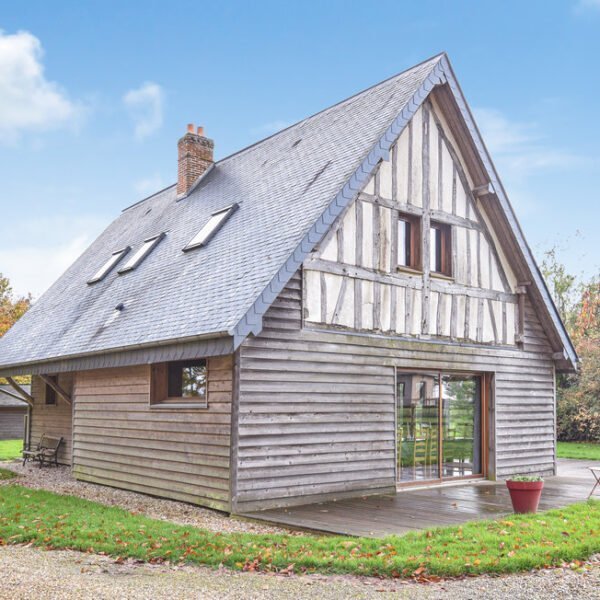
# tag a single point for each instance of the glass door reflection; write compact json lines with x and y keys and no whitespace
{"x":418,"y":426}
{"x":461,"y":425}
{"x":439,"y":426}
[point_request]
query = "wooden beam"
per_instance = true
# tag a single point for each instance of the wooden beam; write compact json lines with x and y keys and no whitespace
{"x":22,"y":393}
{"x":414,"y":281}
{"x":521,"y":294}
{"x":57,"y":388}
{"x":483,"y":190}
{"x":14,"y":395}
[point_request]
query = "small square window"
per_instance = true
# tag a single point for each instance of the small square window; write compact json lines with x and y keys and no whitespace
{"x":180,"y":383}
{"x":440,"y":249}
{"x":50,"y":392}
{"x":409,"y":241}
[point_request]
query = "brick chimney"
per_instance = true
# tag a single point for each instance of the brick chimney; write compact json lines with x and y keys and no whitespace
{"x":195,"y":156}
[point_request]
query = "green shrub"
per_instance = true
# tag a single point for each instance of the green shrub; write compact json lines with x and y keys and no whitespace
{"x":578,"y":418}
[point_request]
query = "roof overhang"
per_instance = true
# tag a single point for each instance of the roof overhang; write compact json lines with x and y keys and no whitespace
{"x":179,"y":349}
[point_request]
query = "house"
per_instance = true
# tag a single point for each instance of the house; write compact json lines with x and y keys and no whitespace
{"x":13,"y":412}
{"x":342,"y":308}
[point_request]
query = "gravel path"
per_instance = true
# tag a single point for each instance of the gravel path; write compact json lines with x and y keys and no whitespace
{"x":60,"y":480}
{"x":32,"y":573}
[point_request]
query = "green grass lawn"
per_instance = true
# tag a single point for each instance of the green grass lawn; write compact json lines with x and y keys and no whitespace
{"x":10,"y":449}
{"x":581,"y":450}
{"x":519,"y":543}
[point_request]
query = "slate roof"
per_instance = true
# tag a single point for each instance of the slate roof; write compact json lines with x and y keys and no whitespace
{"x":289,"y":188}
{"x":282,"y":184}
{"x":7,"y":401}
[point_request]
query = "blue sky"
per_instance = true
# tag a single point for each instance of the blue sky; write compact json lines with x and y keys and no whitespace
{"x":94,"y":95}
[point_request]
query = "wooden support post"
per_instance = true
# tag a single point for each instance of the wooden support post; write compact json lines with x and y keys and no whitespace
{"x":57,"y":388}
{"x":522,"y":294}
{"x":23,"y":395}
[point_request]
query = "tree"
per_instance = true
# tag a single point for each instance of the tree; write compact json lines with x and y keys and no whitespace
{"x":578,"y":396}
{"x":11,"y":308}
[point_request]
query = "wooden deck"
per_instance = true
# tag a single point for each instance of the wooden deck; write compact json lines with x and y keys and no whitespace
{"x":410,"y":510}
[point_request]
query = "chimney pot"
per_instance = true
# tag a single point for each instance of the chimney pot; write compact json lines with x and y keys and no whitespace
{"x":195,"y":156}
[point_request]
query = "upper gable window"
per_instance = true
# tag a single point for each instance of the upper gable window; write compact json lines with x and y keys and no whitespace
{"x":108,"y":266}
{"x":409,"y":241}
{"x":142,"y":252}
{"x":440,"y":249}
{"x":212,"y":226}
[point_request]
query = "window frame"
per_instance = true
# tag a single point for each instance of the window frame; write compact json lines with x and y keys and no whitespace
{"x":160,"y":396}
{"x":141,"y":253}
{"x":50,"y":392}
{"x":198,"y":241}
{"x":109,"y":265}
{"x":413,"y":244}
{"x":444,"y":233}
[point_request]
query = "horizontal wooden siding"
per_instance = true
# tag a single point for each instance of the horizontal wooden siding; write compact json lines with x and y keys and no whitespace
{"x":173,"y":453}
{"x":317,"y":407}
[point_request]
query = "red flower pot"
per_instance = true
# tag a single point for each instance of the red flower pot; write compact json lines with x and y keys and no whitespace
{"x":525,"y":495}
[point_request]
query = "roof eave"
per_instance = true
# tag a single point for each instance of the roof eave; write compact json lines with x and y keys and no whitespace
{"x":199,"y":346}
{"x":568,"y":347}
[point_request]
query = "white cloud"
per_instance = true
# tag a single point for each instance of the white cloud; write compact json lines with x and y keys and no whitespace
{"x":28,"y":101}
{"x":520,"y":147}
{"x":145,"y":105}
{"x":33,"y":261}
{"x":149,"y":185}
{"x":270,"y":127}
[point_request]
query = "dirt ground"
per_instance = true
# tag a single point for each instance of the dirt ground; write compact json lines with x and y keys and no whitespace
{"x":28,"y":572}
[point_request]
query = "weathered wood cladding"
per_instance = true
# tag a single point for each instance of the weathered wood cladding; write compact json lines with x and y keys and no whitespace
{"x":317,"y":397}
{"x":317,"y":406}
{"x":175,"y":453}
{"x":12,"y":422}
{"x":53,"y":419}
{"x":353,"y":280}
{"x":308,"y":428}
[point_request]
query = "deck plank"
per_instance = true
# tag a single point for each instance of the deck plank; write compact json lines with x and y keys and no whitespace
{"x":416,"y":509}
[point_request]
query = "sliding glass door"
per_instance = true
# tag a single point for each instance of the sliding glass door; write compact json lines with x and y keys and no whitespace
{"x":439,"y":426}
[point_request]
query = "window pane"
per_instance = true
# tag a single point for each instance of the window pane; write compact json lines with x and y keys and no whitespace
{"x":187,"y":379}
{"x":461,"y":396}
{"x":418,"y":426}
{"x":193,"y":382}
{"x":50,"y":391}
{"x":144,"y":249}
{"x":430,"y":431}
{"x":110,"y":263}
{"x":435,"y":250}
{"x":404,"y":240}
{"x":215,"y":222}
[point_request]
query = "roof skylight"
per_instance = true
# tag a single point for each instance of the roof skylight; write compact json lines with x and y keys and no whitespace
{"x":107,"y":267}
{"x":212,"y":226}
{"x":142,"y":252}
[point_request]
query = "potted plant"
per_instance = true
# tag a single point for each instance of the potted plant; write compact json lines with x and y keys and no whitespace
{"x":525,"y":492}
